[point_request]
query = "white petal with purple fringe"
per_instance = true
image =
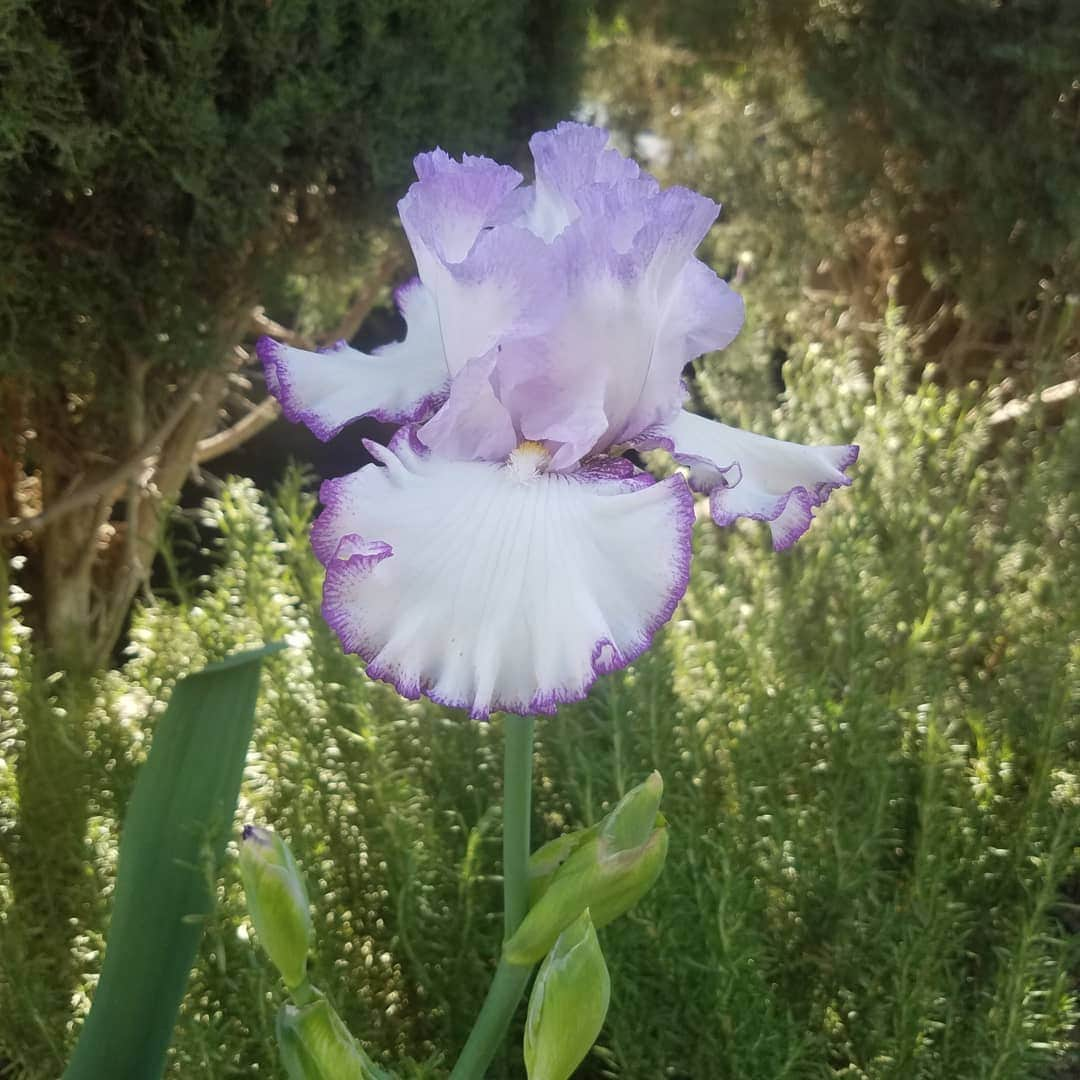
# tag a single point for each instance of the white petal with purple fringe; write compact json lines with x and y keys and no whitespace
{"x":753,"y":476}
{"x":398,"y":383}
{"x":499,"y":586}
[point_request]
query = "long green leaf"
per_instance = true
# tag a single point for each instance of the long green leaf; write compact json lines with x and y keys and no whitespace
{"x":177,"y":823}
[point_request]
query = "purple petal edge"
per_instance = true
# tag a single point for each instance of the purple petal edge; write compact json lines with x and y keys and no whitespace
{"x":605,"y":657}
{"x":280,"y":385}
{"x":806,"y":499}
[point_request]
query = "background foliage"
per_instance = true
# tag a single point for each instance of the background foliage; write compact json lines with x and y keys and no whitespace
{"x":856,"y":143}
{"x":870,"y":744}
{"x":158,"y":164}
{"x":870,"y":747}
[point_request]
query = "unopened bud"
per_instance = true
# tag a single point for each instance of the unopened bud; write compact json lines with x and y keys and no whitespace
{"x":545,"y":861}
{"x":277,"y":901}
{"x":314,"y":1044}
{"x":608,"y":872}
{"x":568,"y":1003}
{"x":632,"y":821}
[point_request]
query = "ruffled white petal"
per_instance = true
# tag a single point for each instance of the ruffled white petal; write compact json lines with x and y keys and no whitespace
{"x":491,"y":281}
{"x":489,"y":587}
{"x":398,"y":383}
{"x":752,"y":476}
{"x":569,"y":158}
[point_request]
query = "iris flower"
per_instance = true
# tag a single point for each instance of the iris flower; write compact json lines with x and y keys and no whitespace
{"x":502,"y":552}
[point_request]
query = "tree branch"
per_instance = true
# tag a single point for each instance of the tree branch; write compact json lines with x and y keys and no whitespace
{"x":214,"y":446}
{"x":142,"y":459}
{"x":261,"y":323}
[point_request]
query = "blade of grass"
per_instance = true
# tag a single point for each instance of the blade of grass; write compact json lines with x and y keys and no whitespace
{"x":174,"y":835}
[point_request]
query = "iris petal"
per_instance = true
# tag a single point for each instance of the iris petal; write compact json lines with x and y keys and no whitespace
{"x":492,"y":588}
{"x":639,"y":308}
{"x":752,"y":476}
{"x":568,"y":159}
{"x":398,"y":383}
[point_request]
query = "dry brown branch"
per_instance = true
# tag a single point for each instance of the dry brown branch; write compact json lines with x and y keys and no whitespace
{"x":261,"y":323}
{"x":1052,"y":395}
{"x":141,"y":460}
{"x":214,"y":446}
{"x":162,"y":485}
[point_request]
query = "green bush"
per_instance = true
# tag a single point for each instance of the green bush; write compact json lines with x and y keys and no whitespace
{"x":159,"y":165}
{"x":870,"y":751}
{"x":952,"y":124}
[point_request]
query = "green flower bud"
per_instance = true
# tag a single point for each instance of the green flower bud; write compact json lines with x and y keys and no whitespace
{"x":608,"y":870}
{"x":568,"y":1003}
{"x":632,"y":821}
{"x":277,"y":902}
{"x":314,"y":1044}
{"x":546,"y":860}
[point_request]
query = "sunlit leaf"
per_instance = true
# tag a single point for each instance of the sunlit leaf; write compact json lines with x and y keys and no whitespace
{"x":174,"y":835}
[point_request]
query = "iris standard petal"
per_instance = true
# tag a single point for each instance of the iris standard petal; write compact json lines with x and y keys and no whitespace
{"x":498,"y":586}
{"x":508,"y":287}
{"x":398,"y":383}
{"x":639,"y":308}
{"x":569,"y":158}
{"x":452,"y":201}
{"x":753,"y":476}
{"x":491,"y":281}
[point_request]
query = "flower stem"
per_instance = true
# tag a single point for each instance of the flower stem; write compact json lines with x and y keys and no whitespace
{"x":510,"y":979}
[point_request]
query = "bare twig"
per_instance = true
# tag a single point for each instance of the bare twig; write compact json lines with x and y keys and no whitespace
{"x":1018,"y":407}
{"x":261,"y":323}
{"x":141,"y":460}
{"x":261,"y":417}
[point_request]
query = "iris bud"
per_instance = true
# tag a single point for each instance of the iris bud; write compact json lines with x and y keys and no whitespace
{"x":546,"y":860}
{"x":568,"y":1003}
{"x":314,"y":1044}
{"x":277,"y":902}
{"x":632,"y":821}
{"x":608,"y":870}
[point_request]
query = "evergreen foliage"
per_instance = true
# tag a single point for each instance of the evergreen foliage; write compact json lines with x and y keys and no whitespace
{"x":160,"y":164}
{"x":956,"y":124}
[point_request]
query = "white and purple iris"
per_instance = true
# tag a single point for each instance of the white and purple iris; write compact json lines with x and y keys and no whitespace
{"x":503,"y":553}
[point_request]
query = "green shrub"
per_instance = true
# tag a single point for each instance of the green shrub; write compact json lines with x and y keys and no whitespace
{"x":870,"y":752}
{"x":159,"y":165}
{"x":825,"y":125}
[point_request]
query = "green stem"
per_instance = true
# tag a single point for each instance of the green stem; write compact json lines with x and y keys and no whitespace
{"x":302,"y":995}
{"x":510,"y":980}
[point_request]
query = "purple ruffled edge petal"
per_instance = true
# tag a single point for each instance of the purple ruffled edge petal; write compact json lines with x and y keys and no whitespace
{"x":605,"y":658}
{"x":805,"y":499}
{"x":280,"y":385}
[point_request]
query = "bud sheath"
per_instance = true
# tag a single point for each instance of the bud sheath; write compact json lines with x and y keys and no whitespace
{"x":568,"y":1003}
{"x":277,"y":902}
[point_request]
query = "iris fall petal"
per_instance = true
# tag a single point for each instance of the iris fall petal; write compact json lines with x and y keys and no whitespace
{"x":495,"y":586}
{"x":398,"y":383}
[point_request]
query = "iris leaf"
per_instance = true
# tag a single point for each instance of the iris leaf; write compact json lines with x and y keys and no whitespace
{"x":177,"y":824}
